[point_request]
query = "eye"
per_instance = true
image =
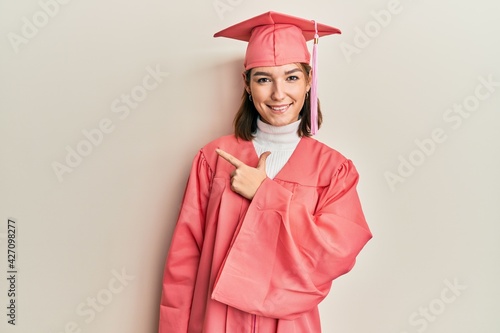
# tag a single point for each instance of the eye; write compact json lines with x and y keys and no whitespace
{"x":293,"y":78}
{"x":263,"y":80}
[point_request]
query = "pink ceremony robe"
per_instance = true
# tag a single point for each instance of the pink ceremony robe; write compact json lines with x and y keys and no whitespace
{"x":261,"y":266}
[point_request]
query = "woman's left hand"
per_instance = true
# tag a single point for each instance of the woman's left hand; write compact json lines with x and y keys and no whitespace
{"x":245,"y":180}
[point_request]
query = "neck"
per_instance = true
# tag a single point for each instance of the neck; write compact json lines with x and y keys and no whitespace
{"x":277,"y":134}
{"x":281,"y":141}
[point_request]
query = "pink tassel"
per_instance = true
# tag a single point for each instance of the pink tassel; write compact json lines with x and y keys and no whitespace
{"x":314,"y":84}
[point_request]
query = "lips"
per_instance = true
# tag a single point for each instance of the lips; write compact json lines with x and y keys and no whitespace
{"x":279,"y":108}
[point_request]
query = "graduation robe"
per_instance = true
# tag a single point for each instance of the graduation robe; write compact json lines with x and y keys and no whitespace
{"x":261,"y":266}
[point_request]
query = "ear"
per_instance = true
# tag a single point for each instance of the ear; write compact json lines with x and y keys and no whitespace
{"x":309,"y":80}
{"x":247,"y":87}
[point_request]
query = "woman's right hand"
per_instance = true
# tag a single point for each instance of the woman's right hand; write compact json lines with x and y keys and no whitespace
{"x":245,"y":180}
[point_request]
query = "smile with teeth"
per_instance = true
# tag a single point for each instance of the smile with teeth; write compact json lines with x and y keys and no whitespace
{"x":279,"y":108}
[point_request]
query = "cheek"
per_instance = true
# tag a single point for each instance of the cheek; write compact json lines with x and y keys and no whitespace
{"x":259,"y":94}
{"x":299,"y":89}
{"x":300,"y":105}
{"x":300,"y":94}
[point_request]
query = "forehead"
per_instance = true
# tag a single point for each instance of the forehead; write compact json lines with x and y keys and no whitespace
{"x":276,"y":70}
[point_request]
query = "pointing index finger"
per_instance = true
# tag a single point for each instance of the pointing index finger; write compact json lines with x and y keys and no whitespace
{"x":230,"y":158}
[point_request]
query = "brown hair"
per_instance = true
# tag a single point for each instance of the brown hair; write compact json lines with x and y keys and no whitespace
{"x":245,"y":121}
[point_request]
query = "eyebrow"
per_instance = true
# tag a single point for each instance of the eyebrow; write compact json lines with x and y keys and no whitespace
{"x":268,"y":74}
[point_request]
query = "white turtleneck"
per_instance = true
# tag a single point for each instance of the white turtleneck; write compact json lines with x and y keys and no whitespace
{"x":281,"y":141}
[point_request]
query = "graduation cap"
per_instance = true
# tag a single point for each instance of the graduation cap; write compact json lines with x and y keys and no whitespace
{"x":276,"y":39}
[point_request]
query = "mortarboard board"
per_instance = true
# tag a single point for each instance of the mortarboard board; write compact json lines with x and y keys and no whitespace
{"x":276,"y":39}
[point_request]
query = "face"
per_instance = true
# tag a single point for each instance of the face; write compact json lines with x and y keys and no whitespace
{"x":278,"y":92}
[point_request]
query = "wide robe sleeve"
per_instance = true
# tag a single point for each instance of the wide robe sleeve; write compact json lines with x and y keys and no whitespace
{"x":286,"y":254}
{"x":182,"y":262}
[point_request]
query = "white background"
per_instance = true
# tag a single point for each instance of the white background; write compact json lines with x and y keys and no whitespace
{"x":437,"y":225}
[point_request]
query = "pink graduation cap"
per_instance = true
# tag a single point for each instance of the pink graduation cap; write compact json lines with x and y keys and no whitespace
{"x":276,"y":39}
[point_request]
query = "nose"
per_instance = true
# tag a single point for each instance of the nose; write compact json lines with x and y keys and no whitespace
{"x":278,"y":91}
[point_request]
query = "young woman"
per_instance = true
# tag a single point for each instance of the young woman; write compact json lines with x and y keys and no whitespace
{"x":270,"y":216}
